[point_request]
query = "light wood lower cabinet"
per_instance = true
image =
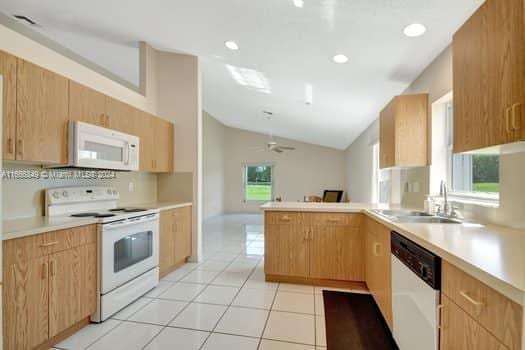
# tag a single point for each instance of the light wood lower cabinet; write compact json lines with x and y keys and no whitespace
{"x":379,"y":266}
{"x":459,"y":331}
{"x":316,"y":246}
{"x":50,"y":285}
{"x":175,"y":238}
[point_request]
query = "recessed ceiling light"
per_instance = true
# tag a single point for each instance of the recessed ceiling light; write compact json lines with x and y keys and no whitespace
{"x":298,"y":3}
{"x":232,"y":45}
{"x":340,"y":58}
{"x":414,"y":30}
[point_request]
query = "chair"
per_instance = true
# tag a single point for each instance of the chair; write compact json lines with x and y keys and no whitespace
{"x":332,"y":196}
{"x":314,"y":199}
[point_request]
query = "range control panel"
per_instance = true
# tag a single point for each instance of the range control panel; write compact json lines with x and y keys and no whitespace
{"x":422,"y":262}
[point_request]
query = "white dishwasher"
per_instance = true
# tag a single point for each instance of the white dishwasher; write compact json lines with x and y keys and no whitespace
{"x":416,"y":280}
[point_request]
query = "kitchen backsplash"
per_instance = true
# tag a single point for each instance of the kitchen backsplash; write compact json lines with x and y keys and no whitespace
{"x":25,"y":197}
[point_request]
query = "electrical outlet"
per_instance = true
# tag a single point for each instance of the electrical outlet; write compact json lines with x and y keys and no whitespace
{"x":131,"y":186}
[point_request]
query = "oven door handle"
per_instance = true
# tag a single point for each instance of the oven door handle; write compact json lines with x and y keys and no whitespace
{"x":131,"y":221}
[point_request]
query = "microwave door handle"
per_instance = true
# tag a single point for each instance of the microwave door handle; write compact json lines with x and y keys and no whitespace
{"x":127,"y":153}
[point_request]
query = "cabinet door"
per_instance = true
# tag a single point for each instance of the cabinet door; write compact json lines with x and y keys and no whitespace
{"x":286,"y":249}
{"x":147,"y":139}
{"x":387,"y":136}
{"x":163,"y":145}
{"x":42,"y":115}
{"x":122,"y":117}
{"x":25,"y":304}
{"x":183,"y":233}
{"x":72,"y":287}
{"x":87,"y":105}
{"x":461,"y":332}
{"x":8,"y":71}
{"x":518,"y":68}
{"x":167,"y":242}
{"x":370,"y":274}
{"x":336,"y":252}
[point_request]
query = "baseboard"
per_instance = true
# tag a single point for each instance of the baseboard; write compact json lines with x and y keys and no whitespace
{"x":359,"y":285}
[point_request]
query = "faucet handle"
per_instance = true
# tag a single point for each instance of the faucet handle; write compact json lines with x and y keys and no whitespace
{"x":438,"y":208}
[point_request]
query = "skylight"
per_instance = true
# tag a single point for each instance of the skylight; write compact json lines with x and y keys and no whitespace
{"x":250,"y":78}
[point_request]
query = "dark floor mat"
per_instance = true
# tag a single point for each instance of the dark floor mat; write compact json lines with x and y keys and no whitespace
{"x":354,"y":322}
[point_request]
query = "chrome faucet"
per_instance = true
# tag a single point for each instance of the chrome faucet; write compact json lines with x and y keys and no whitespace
{"x":443,"y":192}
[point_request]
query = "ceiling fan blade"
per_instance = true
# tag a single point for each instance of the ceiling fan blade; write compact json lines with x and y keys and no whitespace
{"x":278,"y":150}
{"x":287,"y":148}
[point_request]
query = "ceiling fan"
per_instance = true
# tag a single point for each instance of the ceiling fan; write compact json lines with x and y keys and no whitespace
{"x":272,"y":146}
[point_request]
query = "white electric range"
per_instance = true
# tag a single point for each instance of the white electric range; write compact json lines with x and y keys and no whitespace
{"x":128,"y":243}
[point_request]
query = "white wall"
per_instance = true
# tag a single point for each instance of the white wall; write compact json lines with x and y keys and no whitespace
{"x":308,"y":170}
{"x":359,"y":165}
{"x":213,"y":138}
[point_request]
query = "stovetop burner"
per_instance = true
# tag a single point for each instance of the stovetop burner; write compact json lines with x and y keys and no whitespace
{"x":104,"y":215}
{"x":128,"y":210}
{"x":84,"y":215}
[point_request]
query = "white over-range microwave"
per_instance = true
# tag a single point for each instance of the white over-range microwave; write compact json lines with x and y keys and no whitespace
{"x":92,"y":146}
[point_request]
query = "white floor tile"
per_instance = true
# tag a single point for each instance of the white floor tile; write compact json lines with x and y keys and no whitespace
{"x":320,"y":331}
{"x":159,"y":311}
{"x":158,"y":290}
{"x":176,"y":275}
{"x":230,"y":342}
{"x":199,"y":276}
{"x":127,"y":336}
{"x":222,"y":295}
{"x":296,"y":288}
{"x":182,"y":291}
{"x":243,"y":321}
{"x":213,"y":266}
{"x":292,"y":327}
{"x":255,"y":298}
{"x":199,"y":316}
{"x":319,"y":304}
{"x":88,"y":335}
{"x":294,"y":302}
{"x":236,"y":279}
{"x":129,"y":310}
{"x":176,"y":338}
{"x":279,"y":345}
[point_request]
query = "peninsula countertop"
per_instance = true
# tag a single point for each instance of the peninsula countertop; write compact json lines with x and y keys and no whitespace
{"x":493,"y":254}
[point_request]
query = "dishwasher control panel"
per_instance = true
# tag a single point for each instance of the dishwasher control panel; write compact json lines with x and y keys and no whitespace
{"x":422,"y":262}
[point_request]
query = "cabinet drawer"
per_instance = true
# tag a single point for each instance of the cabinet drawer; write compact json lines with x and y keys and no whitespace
{"x":332,"y":219}
{"x":36,"y":246}
{"x":459,"y":331}
{"x":499,"y":315}
{"x":282,"y":218}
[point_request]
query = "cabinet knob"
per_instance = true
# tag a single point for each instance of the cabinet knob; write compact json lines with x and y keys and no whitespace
{"x":516,"y":115}
{"x":20,"y":147}
{"x":44,"y":271}
{"x":52,"y":268}
{"x":10,"y":146}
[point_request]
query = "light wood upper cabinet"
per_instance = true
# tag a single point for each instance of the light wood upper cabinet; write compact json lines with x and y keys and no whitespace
{"x":461,"y":332}
{"x":379,"y":267}
{"x":87,"y":105}
{"x":163,"y":145}
{"x":489,"y":71}
{"x":122,"y":117}
{"x":147,"y":141}
{"x":403,"y":132}
{"x":8,"y":71}
{"x":50,"y":284}
{"x":42,"y":115}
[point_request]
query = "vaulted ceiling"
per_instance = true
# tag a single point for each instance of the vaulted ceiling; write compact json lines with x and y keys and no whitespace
{"x":282,"y":48}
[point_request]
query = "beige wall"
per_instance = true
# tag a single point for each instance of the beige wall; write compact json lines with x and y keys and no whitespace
{"x":213,"y":166}
{"x":24,"y":198}
{"x":308,"y":170}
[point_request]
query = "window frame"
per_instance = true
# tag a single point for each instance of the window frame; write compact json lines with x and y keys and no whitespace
{"x":244,"y":170}
{"x":483,"y":198}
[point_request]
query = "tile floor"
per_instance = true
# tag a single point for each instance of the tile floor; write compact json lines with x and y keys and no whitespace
{"x":222,"y":303}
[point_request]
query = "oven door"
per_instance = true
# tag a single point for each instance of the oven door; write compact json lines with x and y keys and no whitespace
{"x":129,"y":249}
{"x":96,"y":147}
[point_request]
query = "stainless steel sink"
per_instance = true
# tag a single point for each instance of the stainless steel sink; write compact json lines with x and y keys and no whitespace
{"x":416,"y":217}
{"x":404,"y":213}
{"x":426,"y":220}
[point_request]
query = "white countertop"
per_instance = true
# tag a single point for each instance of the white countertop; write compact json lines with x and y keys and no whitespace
{"x":17,"y":228}
{"x":495,"y":255}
